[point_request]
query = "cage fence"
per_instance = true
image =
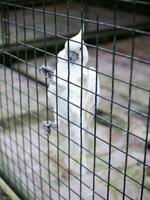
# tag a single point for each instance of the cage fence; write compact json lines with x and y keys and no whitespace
{"x":74,"y":106}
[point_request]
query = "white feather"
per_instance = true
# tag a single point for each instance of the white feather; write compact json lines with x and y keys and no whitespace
{"x":72,"y":72}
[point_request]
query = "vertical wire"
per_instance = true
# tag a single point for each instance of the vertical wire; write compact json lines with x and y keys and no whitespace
{"x":47,"y":104}
{"x":10,"y":132}
{"x":1,"y":103}
{"x":37,"y":103}
{"x":68,"y":93}
{"x":81,"y":97}
{"x":5,"y":27}
{"x":2,"y":162}
{"x":14,"y":114}
{"x":95,"y":117}
{"x":15,"y":126}
{"x":8,"y":117}
{"x":45,"y":59}
{"x":2,"y":32}
{"x":5,"y":164}
{"x":2,"y":24}
{"x":129,"y":101}
{"x":58,"y":157}
{"x":112,"y":98}
{"x":20,"y":89}
{"x":145,"y":149}
{"x":8,"y":120}
{"x":28,"y":95}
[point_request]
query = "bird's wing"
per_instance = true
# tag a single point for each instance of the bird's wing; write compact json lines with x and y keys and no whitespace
{"x":92,"y":88}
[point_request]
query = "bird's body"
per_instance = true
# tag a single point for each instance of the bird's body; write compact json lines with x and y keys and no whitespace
{"x":73,"y":95}
{"x":74,"y":92}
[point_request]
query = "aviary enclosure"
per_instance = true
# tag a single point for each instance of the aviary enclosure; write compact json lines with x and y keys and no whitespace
{"x":39,"y":163}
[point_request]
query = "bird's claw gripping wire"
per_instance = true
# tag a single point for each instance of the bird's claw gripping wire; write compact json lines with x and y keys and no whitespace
{"x":47,"y":125}
{"x":47,"y":71}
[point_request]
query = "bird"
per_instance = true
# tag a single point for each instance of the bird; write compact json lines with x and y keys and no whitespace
{"x":72,"y":94}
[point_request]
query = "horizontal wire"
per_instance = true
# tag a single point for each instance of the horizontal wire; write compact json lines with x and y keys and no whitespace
{"x":113,"y":124}
{"x":12,"y":172}
{"x":104,"y":120}
{"x":135,"y":1}
{"x":54,"y":162}
{"x":29,"y":176}
{"x":77,"y":177}
{"x":91,"y":69}
{"x":116,"y":103}
{"x":65,"y":37}
{"x":79,"y":18}
{"x":87,"y":149}
{"x":83,"y":166}
{"x":4,"y":52}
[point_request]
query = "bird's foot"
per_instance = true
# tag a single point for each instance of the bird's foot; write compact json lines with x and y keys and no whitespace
{"x":47,"y":71}
{"x":47,"y":125}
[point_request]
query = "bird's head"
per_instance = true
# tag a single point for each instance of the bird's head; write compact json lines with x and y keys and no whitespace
{"x":76,"y":51}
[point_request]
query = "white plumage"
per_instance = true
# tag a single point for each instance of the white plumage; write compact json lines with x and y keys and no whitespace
{"x":71,"y":60}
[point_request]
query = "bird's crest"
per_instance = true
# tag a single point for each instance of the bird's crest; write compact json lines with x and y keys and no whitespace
{"x":79,"y":36}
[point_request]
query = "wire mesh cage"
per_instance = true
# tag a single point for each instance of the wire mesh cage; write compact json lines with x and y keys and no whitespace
{"x":75,"y":99}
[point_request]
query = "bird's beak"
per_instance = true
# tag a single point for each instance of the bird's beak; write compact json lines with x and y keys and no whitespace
{"x":73,"y":56}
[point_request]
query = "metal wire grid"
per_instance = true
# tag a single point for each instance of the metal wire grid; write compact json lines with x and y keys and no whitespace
{"x":12,"y":170}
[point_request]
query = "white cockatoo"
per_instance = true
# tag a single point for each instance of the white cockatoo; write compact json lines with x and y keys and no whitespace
{"x":74,"y":85}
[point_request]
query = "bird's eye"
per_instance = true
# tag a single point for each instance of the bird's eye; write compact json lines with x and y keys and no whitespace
{"x":80,"y":48}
